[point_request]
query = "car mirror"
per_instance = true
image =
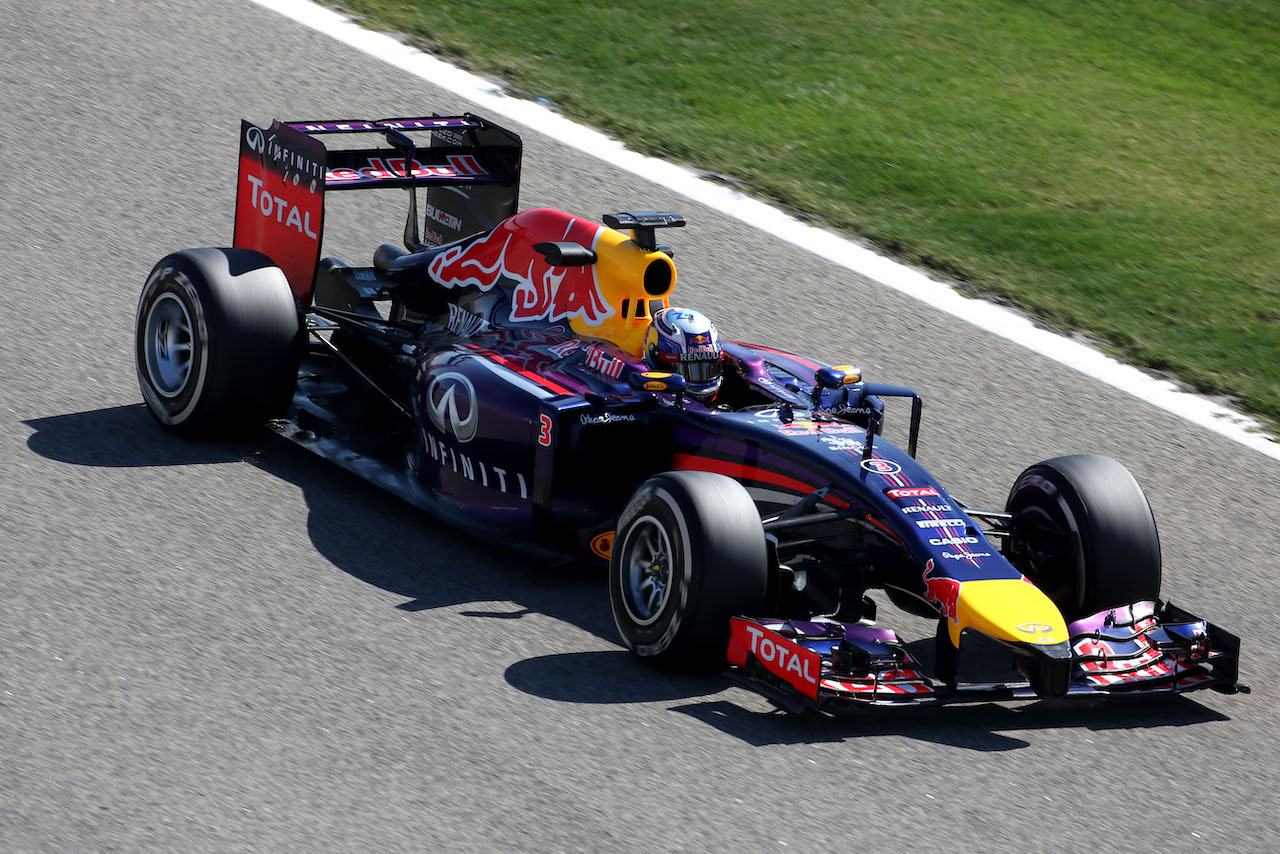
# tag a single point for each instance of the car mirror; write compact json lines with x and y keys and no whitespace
{"x":836,"y":376}
{"x":565,"y":253}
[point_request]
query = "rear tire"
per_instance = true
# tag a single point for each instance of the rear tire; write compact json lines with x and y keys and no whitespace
{"x":1084,"y":534}
{"x":689,"y":553}
{"x":217,"y":342}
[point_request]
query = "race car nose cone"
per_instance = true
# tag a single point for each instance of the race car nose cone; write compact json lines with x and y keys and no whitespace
{"x":1009,"y":610}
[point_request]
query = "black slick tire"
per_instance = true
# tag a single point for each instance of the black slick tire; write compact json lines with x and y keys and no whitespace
{"x":689,"y":553}
{"x":217,"y":342}
{"x":1084,"y":534}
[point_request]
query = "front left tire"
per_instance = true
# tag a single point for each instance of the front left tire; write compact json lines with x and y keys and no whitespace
{"x":689,"y":553}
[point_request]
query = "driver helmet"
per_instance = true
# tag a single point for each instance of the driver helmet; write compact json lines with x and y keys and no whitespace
{"x":684,"y":341}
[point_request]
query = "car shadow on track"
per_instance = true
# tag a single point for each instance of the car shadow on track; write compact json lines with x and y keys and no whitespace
{"x":606,"y":677}
{"x":385,"y":542}
{"x":979,"y":727}
{"x":124,"y":437}
{"x":366,"y":532}
{"x":391,"y":545}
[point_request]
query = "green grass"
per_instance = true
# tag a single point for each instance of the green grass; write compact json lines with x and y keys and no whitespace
{"x":1112,"y":167}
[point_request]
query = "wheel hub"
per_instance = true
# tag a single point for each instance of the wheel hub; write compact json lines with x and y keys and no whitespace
{"x":647,"y":579}
{"x":167,"y":343}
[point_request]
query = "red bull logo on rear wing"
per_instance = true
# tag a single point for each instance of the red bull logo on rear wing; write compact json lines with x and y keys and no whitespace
{"x":376,"y":167}
{"x":469,"y":166}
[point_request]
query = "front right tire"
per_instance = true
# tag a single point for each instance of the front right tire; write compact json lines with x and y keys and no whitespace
{"x":1084,"y":534}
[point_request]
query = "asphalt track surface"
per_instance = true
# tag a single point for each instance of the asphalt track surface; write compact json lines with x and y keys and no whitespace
{"x":239,"y":647}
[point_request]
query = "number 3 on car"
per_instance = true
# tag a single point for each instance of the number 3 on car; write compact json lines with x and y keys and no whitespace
{"x":544,"y":430}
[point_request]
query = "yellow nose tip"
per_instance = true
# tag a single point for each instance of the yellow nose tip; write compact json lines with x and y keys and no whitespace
{"x":1008,"y":609}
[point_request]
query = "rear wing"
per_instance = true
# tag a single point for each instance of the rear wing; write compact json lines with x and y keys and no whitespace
{"x":469,"y":167}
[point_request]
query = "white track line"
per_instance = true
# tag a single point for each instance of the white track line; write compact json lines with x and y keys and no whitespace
{"x":840,"y":250}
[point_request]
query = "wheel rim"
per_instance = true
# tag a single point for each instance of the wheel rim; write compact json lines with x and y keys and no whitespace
{"x":168,"y":344}
{"x":646,"y":570}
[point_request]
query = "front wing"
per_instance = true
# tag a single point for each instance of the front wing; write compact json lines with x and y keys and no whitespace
{"x":1141,"y":649}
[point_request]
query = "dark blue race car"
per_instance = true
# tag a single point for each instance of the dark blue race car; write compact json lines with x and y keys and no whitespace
{"x":523,"y":374}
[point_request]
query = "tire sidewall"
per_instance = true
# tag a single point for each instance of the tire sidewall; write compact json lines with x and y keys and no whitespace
{"x":1041,"y":483}
{"x":719,"y":568}
{"x":657,"y":637}
{"x":247,"y":339}
{"x":178,"y":276}
{"x":1116,"y":548}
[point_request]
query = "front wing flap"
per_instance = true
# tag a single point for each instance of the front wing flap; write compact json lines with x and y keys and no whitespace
{"x":1144,"y":648}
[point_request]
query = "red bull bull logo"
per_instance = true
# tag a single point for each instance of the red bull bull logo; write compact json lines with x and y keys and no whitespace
{"x":541,"y":292}
{"x":943,"y":592}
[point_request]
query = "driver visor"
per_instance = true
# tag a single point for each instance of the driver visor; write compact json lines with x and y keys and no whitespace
{"x":702,"y":370}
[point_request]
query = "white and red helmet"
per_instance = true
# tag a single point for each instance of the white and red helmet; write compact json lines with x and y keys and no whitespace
{"x":684,"y":341}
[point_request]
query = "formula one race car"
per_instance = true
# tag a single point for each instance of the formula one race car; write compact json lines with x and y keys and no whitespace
{"x":522,"y":374}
